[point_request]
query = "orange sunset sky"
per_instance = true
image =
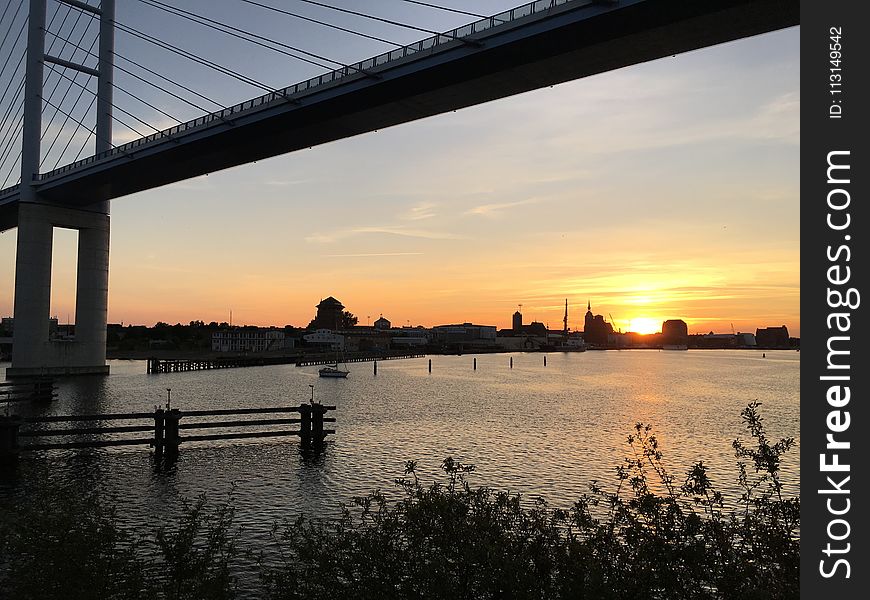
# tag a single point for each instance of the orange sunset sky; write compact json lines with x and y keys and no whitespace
{"x":664,"y":190}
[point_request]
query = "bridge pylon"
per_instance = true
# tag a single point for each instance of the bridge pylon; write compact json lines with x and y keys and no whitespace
{"x":34,"y":352}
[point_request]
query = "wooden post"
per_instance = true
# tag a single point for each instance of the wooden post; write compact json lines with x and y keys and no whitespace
{"x":376,"y":367}
{"x":430,"y":365}
{"x":159,"y":428}
{"x":305,"y":423}
{"x":9,"y":426}
{"x":512,"y":362}
{"x":317,"y":434}
{"x":475,"y":364}
{"x":171,"y":436}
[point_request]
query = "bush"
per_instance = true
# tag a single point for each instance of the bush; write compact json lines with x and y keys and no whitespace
{"x":450,"y":540}
{"x":65,"y":543}
{"x":649,"y":536}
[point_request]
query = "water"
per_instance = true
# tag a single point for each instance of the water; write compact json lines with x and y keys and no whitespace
{"x":539,"y":430}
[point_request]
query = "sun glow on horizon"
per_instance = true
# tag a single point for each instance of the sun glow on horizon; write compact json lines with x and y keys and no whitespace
{"x":645,"y":325}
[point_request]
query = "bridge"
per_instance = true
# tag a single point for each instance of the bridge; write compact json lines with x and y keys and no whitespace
{"x":528,"y":47}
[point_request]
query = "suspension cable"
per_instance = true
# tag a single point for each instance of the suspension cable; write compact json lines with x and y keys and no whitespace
{"x":240,"y":33}
{"x":324,"y":23}
{"x":446,"y":8}
{"x":115,"y":106}
{"x":381,"y":19}
{"x":70,"y":139}
{"x":14,"y":44}
{"x":12,"y":22}
{"x":192,"y":57}
{"x":12,"y":104}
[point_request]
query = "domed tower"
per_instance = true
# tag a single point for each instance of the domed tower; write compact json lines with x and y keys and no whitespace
{"x":329,"y":313}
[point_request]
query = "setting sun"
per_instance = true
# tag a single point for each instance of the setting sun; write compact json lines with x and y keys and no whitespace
{"x":645,"y":325}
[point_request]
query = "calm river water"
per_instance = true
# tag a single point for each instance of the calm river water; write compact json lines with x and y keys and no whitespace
{"x":540,"y":430}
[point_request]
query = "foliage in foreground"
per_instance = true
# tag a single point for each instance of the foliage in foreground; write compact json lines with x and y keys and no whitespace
{"x":649,"y":536}
{"x":454,"y":541}
{"x":65,"y":543}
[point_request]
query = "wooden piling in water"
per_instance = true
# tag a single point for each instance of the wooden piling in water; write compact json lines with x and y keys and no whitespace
{"x":170,"y":431}
{"x":9,"y":426}
{"x":305,"y":423}
{"x":317,"y":412}
{"x":159,"y":427}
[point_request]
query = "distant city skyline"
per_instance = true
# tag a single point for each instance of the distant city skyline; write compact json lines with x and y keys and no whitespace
{"x":667,"y":190}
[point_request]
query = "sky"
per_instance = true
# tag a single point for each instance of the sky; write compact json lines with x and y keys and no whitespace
{"x":663,"y":190}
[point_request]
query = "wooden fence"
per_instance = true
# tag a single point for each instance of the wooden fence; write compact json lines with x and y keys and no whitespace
{"x":165,"y":429}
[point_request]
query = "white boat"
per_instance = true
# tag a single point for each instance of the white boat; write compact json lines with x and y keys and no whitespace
{"x":333,"y":371}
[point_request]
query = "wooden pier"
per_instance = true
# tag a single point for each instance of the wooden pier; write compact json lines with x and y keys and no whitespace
{"x":40,"y":389}
{"x":180,"y":365}
{"x":165,"y":429}
{"x":331,"y":359}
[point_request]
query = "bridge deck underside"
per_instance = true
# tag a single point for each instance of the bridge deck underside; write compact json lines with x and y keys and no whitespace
{"x":566,"y":47}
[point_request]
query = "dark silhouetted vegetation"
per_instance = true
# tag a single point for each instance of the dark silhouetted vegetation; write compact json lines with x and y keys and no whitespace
{"x":649,"y":535}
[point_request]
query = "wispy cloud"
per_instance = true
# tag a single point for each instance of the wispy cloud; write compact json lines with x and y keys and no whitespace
{"x":424,"y":210}
{"x":489,"y":210}
{"x":329,"y":237}
{"x":367,"y":254}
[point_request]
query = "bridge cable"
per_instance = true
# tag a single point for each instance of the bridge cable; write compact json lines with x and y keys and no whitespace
{"x":70,"y":139}
{"x":6,"y":10}
{"x":12,"y":22}
{"x":13,"y":104}
{"x":192,"y":57}
{"x":115,"y":106}
{"x":148,"y":104}
{"x":60,"y":52}
{"x":85,"y":88}
{"x":66,"y":93}
{"x":446,"y":8}
{"x":9,"y":55}
{"x":12,"y":77}
{"x":188,"y":55}
{"x":12,"y":145}
{"x":324,"y":23}
{"x":164,"y":78}
{"x":91,"y":129}
{"x":374,"y":18}
{"x":75,"y":104}
{"x":229,"y":29}
{"x":18,"y":37}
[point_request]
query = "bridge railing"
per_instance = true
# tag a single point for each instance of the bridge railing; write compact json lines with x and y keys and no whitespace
{"x":361,"y":68}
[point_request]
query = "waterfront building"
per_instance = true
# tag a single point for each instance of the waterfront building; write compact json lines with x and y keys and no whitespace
{"x":465,"y":336}
{"x":772,"y":337}
{"x":596,"y":331}
{"x":675,"y":334}
{"x":250,"y":339}
{"x":329,"y":315}
{"x":382,"y":324}
{"x":746,"y":340}
{"x":415,"y":337}
{"x":326,"y":339}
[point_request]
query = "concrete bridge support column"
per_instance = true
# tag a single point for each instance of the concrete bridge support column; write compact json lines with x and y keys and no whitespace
{"x":33,"y":352}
